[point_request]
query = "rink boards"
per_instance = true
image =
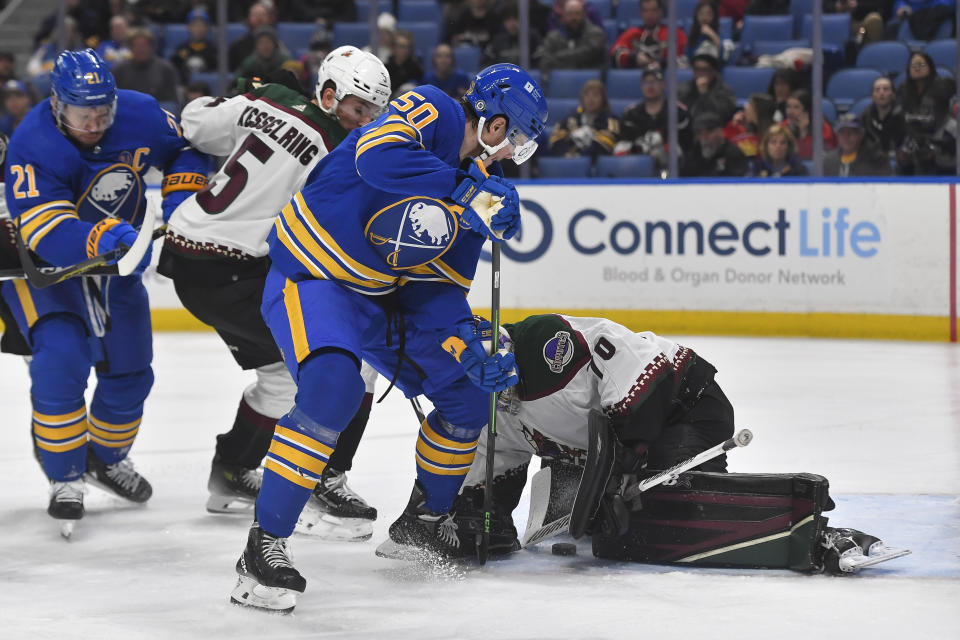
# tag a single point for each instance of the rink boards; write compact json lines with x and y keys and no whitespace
{"x":872,"y":259}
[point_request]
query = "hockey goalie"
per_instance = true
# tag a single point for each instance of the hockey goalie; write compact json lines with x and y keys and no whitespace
{"x":607,"y":410}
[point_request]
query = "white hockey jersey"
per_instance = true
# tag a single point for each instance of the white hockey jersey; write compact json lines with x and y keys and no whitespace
{"x":568,"y":366}
{"x":274,"y":137}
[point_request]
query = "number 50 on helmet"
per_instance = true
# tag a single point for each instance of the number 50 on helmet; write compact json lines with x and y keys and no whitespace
{"x":509,"y":91}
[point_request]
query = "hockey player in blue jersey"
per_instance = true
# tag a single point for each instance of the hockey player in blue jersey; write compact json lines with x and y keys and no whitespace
{"x":372,"y":261}
{"x":74,"y":186}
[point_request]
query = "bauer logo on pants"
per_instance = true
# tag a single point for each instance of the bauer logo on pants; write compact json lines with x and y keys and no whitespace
{"x":413,"y":231}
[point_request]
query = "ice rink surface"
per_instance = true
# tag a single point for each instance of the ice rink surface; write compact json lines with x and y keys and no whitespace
{"x":880,"y":419}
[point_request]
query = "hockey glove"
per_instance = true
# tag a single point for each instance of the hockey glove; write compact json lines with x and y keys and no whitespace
{"x":491,"y":204}
{"x":110,"y":234}
{"x":492,"y":373}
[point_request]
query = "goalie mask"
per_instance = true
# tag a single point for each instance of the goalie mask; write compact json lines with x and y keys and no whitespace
{"x":509,"y":91}
{"x":353,"y":72}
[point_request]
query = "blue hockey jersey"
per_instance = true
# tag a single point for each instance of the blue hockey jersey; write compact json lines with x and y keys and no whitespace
{"x":57,"y":190}
{"x":375,"y":216}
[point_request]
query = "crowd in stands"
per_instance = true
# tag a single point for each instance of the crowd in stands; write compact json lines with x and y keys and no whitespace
{"x":744,"y":83}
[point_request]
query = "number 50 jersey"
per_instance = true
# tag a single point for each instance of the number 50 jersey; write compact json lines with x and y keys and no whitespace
{"x":274,"y":137}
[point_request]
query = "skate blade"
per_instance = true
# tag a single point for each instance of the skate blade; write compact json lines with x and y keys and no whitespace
{"x":325,"y":526}
{"x":855,"y":563}
{"x":92,"y":480}
{"x":390,"y":549}
{"x":251,"y":594}
{"x":66,"y":528}
{"x":230,"y":505}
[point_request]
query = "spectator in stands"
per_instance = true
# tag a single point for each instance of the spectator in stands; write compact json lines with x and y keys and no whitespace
{"x":643,"y":126}
{"x":579,"y":44}
{"x":748,"y":124}
{"x":327,"y":12}
{"x":198,"y":54}
{"x":475,"y":23}
{"x":404,"y":66}
{"x":267,"y":56}
{"x":866,"y":17}
{"x":922,"y":79}
{"x":735,"y":10}
{"x":647,"y":44}
{"x":929,"y":147}
{"x":85,"y":21}
{"x":768,"y":7}
{"x":16,"y":105}
{"x":196,"y":90}
{"x":707,"y":91}
{"x":386,"y":31}
{"x":145,"y":71}
{"x":321,"y":43}
{"x":778,"y":155}
{"x":924,"y":16}
{"x":712,"y":154}
{"x":6,"y":67}
{"x":589,"y":130}
{"x":115,"y":49}
{"x":783,"y":83}
{"x":505,"y":44}
{"x":705,"y":33}
{"x":258,"y":17}
{"x":445,"y":73}
{"x":799,"y":120}
{"x":855,"y":155}
{"x":883,"y":121}
{"x":555,"y":15}
{"x":44,"y":57}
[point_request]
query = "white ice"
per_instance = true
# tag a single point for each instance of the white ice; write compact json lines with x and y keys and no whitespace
{"x":880,"y":419}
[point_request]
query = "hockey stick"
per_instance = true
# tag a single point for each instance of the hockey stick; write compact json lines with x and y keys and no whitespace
{"x":483,"y":540}
{"x":129,"y":258}
{"x":538,"y":531}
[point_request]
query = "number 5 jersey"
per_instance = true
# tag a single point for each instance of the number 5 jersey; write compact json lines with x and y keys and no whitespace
{"x":274,"y":137}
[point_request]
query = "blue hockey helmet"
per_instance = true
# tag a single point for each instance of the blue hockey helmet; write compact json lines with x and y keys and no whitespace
{"x":509,"y":91}
{"x":85,"y":91}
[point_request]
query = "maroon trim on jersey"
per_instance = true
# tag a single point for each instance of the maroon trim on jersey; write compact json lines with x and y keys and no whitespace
{"x":574,"y":366}
{"x":296,"y":114}
{"x":652,"y":374}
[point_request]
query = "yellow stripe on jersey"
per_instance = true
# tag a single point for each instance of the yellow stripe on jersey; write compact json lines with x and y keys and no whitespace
{"x":427,"y":433}
{"x":26,"y":301}
{"x":394,"y":129}
{"x":37,"y":222}
{"x":444,"y":458}
{"x":297,"y":458}
{"x":298,"y":328}
{"x":289,"y":474}
{"x":451,"y":273}
{"x":303,"y":441}
{"x":54,"y":420}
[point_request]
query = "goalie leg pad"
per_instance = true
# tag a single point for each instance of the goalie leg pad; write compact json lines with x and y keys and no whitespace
{"x":726,"y":520}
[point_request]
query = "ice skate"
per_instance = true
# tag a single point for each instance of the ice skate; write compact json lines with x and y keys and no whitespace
{"x":66,"y":504}
{"x":233,"y":489}
{"x":420,"y":534}
{"x":120,"y":479}
{"x":848,"y":550}
{"x":268,"y":579}
{"x":335,"y":512}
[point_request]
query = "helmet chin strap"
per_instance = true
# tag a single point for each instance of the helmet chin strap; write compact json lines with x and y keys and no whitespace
{"x":488,"y":150}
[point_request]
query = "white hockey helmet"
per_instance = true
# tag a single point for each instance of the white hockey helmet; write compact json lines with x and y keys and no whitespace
{"x":354,"y":73}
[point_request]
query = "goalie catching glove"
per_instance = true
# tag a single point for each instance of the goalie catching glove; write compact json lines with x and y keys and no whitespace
{"x":491,"y":204}
{"x":110,"y":234}
{"x":492,"y":373}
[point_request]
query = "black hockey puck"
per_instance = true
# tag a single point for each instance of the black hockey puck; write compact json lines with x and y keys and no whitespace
{"x":564,"y":549}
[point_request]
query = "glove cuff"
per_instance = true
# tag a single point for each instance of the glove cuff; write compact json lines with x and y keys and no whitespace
{"x":97,"y":232}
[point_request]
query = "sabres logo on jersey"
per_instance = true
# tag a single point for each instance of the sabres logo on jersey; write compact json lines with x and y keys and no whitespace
{"x":558,"y":351}
{"x":114,"y":192}
{"x":413,"y":231}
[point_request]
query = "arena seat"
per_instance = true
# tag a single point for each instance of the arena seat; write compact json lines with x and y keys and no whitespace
{"x":355,"y":33}
{"x":943,"y":52}
{"x":566,"y":83}
{"x":888,"y":57}
{"x":849,"y":85}
{"x":747,"y":80}
{"x":773,"y":47}
{"x":766,"y":28}
{"x":632,"y":166}
{"x":419,"y":11}
{"x":296,"y":35}
{"x":835,"y":26}
{"x":558,"y":108}
{"x":624,"y":83}
{"x":425,"y":34}
{"x":468,"y":58}
{"x":555,"y":167}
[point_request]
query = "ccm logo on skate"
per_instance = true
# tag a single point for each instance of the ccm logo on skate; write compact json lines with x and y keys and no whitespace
{"x":413,"y":231}
{"x":591,"y":232}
